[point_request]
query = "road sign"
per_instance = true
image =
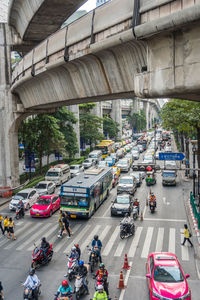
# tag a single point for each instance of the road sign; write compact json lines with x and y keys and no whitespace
{"x":171,"y":156}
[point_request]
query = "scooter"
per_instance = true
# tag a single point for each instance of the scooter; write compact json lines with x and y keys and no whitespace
{"x":135,"y":212}
{"x":38,"y":257}
{"x":18,"y":214}
{"x":94,"y":258}
{"x":152,"y":206}
{"x":28,"y":292}
{"x":79,"y":288}
{"x":101,"y":281}
{"x":71,"y":266}
{"x":68,"y":297}
{"x":127,"y":230}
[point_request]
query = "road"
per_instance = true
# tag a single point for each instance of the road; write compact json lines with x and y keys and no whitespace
{"x":157,"y":232}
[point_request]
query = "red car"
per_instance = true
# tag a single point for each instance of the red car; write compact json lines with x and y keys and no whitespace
{"x":165,"y":277}
{"x":45,"y":206}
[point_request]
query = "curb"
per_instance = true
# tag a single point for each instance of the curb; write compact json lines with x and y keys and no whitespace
{"x":194,"y":221}
{"x":4,"y":202}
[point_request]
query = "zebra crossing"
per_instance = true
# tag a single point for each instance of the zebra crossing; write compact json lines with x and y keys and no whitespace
{"x":145,"y":240}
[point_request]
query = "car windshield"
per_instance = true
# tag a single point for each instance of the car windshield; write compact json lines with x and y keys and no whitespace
{"x":43,"y":201}
{"x":102,"y":163}
{"x":93,"y":155}
{"x":108,"y":159}
{"x":123,"y":162}
{"x":168,"y":174}
{"x":41,"y":186}
{"x":52,"y":174}
{"x":168,"y":274}
{"x":20,"y":196}
{"x":126,"y":181}
{"x":74,"y":168}
{"x":122,"y":200}
{"x":87,"y":161}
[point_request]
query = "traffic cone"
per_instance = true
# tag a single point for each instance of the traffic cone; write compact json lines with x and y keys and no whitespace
{"x":141,"y":216}
{"x":121,"y":285}
{"x":126,"y":266}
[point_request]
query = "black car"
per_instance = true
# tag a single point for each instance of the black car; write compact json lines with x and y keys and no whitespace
{"x":121,"y":205}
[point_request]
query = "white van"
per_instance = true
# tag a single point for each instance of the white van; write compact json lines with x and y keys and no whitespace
{"x":58,"y":174}
{"x":96,"y":154}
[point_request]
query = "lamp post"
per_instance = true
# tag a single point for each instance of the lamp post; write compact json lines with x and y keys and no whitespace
{"x":155,"y":126}
{"x":194,"y":174}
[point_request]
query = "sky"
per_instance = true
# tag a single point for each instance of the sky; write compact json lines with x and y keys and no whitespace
{"x":89,"y":5}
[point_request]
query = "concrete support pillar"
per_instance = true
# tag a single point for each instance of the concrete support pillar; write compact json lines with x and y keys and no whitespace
{"x":116,"y":115}
{"x":9,"y":160}
{"x":75,"y":110}
{"x":98,"y":111}
{"x":147,"y":114}
{"x":136,"y":105}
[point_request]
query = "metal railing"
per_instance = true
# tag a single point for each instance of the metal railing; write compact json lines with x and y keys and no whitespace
{"x":195,"y":209}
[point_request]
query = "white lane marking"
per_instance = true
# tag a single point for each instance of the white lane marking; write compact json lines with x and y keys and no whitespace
{"x":135,"y":242}
{"x":172,"y":233}
{"x":184,"y":249}
{"x":105,"y":213}
{"x":90,"y":237}
{"x":125,"y":281}
{"x":160,"y":237}
{"x":47,"y":234}
{"x":120,"y":248}
{"x":147,"y":242}
{"x":65,"y":239}
{"x":34,"y":236}
{"x":144,"y":211}
{"x":165,"y":220}
{"x":26,"y":231}
{"x":111,"y":241}
{"x":77,"y":238}
{"x":19,"y":223}
{"x":104,"y":232}
{"x":165,"y":202}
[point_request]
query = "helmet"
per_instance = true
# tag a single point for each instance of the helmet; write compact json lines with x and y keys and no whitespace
{"x":32,"y":271}
{"x":81,"y":263}
{"x":73,"y":248}
{"x":96,"y":237}
{"x":64,"y":283}
{"x":101,"y":265}
{"x":100,"y":287}
{"x":126,"y":215}
{"x":44,"y":239}
{"x":76,"y":245}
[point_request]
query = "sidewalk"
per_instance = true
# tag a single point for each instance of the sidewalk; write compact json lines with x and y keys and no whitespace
{"x":4,"y":200}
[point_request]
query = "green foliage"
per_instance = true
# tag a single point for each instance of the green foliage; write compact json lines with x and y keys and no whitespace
{"x":137,"y":120}
{"x":110,"y":127}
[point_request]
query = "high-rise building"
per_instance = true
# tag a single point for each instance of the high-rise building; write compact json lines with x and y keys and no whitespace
{"x":99,"y":2}
{"x":3,"y":11}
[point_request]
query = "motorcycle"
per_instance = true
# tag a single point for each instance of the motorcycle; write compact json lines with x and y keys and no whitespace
{"x":127,"y":230}
{"x":38,"y":257}
{"x":67,"y":297}
{"x":94,"y":258}
{"x":28,"y":292}
{"x":18,"y":214}
{"x":135,"y":212}
{"x":79,"y":288}
{"x":71,"y":266}
{"x":101,"y":281}
{"x":152,"y":206}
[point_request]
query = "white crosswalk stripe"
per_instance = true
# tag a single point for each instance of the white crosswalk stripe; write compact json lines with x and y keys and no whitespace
{"x":33,"y":237}
{"x":146,"y":238}
{"x":135,"y":242}
{"x":184,"y":249}
{"x":147,"y":242}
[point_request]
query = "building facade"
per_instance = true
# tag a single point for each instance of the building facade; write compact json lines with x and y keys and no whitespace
{"x":100,"y":2}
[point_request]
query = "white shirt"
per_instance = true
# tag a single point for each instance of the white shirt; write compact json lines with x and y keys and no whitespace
{"x":31,"y":281}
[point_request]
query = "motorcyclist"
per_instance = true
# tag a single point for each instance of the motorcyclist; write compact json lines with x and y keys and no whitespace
{"x":78,"y":250}
{"x":153,"y":199}
{"x":100,"y":294}
{"x":44,"y":247}
{"x":82,"y":271}
{"x":32,"y":282}
{"x":102,"y":273}
{"x":74,"y":254}
{"x":96,"y":243}
{"x":64,"y":290}
{"x":127,"y":221}
{"x":137,"y":203}
{"x":20,"y":208}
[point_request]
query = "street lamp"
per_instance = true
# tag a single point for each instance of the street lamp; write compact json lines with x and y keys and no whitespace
{"x":194,"y":174}
{"x":155,"y":126}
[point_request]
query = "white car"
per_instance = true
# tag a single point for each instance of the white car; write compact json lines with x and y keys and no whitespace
{"x":45,"y":188}
{"x":28,"y":196}
{"x":75,"y":170}
{"x":89,"y":162}
{"x":135,"y":154}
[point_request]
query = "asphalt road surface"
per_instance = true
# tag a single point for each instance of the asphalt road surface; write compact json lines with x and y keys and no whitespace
{"x":157,"y":232}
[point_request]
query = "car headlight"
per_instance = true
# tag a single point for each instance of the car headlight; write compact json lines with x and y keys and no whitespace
{"x":158,"y":296}
{"x":186,"y":295}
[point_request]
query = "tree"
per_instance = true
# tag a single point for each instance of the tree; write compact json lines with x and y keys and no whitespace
{"x":110,"y":127}
{"x":137,"y":121}
{"x":66,"y":119}
{"x":90,"y":124}
{"x":184,"y":117}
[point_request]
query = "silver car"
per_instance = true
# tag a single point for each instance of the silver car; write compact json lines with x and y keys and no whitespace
{"x":89,"y":162}
{"x":45,"y":188}
{"x":75,"y":170}
{"x":124,"y":165}
{"x":28,"y":196}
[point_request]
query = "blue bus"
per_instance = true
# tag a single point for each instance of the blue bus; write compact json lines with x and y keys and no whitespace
{"x":82,"y":195}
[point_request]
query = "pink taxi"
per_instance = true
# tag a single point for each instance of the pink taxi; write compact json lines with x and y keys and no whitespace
{"x":45,"y":206}
{"x":165,"y":277}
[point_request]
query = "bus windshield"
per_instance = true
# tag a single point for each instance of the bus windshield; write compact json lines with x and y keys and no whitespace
{"x":74,"y":201}
{"x":168,"y":174}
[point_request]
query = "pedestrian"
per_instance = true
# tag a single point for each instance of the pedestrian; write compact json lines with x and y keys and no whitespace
{"x":1,"y":291}
{"x":1,"y":224}
{"x":187,"y":235}
{"x":61,"y":225}
{"x":66,"y":225}
{"x":11,"y":226}
{"x":67,"y":216}
{"x":5,"y":224}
